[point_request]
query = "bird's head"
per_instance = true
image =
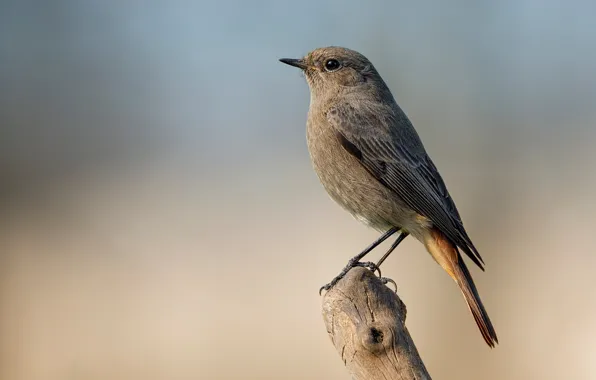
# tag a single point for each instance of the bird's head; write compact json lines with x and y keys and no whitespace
{"x":331,"y":69}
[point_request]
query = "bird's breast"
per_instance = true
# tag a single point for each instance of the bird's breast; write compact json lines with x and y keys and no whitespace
{"x":348,"y":182}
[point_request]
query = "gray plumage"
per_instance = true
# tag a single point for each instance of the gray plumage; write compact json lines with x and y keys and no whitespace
{"x":372,"y":162}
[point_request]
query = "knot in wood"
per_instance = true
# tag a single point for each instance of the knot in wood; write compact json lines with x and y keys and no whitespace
{"x":375,"y":337}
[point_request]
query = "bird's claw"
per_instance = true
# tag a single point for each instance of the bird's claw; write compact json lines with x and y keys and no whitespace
{"x":386,"y":280}
{"x":326,"y":287}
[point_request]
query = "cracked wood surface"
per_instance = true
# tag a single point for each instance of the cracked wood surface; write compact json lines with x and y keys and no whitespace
{"x":366,"y":322}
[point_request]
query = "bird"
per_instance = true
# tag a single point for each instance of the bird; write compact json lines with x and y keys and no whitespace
{"x":371,"y":161}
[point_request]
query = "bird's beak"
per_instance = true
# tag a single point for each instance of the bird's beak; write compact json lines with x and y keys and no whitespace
{"x":294,"y":62}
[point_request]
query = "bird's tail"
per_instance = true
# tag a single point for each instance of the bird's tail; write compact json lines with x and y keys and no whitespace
{"x":447,"y":255}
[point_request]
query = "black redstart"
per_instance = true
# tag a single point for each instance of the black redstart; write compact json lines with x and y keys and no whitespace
{"x":371,"y":161}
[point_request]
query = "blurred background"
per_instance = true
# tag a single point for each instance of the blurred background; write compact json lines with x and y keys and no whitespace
{"x":159,"y":218}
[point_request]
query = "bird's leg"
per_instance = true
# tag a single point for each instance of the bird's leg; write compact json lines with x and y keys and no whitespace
{"x":399,"y":239}
{"x":377,"y":267}
{"x":355,"y":261}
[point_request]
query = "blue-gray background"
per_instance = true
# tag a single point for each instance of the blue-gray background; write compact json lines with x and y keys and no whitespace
{"x":159,"y":218}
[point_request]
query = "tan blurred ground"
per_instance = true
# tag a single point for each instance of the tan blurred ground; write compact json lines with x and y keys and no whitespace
{"x":134,"y":276}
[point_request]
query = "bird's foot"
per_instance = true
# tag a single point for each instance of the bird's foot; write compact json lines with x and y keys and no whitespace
{"x":368,"y":265}
{"x":351,"y":264}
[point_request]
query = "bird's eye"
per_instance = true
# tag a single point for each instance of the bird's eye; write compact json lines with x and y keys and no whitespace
{"x":332,"y":65}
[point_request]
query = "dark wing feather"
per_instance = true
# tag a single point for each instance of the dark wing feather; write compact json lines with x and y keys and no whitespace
{"x":384,"y":141}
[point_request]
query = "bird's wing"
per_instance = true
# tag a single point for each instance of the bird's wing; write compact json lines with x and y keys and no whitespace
{"x":386,"y":144}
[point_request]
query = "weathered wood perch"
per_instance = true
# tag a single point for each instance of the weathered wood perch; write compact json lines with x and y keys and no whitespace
{"x":366,"y":323}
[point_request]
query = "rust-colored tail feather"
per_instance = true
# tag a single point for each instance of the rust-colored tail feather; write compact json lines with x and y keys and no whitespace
{"x":466,"y":284}
{"x":447,"y":255}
